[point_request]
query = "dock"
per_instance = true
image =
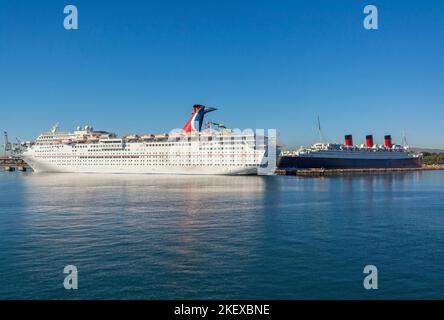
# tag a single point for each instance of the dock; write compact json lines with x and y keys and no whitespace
{"x":316,"y":172}
{"x":12,"y":164}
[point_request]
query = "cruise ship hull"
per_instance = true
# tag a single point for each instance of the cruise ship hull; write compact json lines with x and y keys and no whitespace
{"x":41,"y":166}
{"x":344,"y":163}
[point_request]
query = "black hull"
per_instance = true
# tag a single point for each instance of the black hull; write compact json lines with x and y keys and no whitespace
{"x":338,"y":163}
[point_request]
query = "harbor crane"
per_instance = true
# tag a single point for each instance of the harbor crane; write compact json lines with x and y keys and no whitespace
{"x":7,"y":145}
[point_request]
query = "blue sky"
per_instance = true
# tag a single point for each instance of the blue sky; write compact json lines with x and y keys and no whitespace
{"x":139,"y":66}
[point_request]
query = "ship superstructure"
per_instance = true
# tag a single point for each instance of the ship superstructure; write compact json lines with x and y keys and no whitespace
{"x":187,"y":151}
{"x":347,"y":155}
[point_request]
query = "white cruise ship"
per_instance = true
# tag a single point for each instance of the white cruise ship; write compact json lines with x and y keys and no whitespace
{"x":187,"y":151}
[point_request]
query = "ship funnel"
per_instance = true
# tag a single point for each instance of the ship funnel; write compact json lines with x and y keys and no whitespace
{"x":349,"y":140}
{"x":388,"y":141}
{"x":369,"y":141}
{"x":195,"y":122}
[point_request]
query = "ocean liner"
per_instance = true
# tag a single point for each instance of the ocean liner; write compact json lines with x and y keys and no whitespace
{"x":191,"y":150}
{"x":349,"y":156}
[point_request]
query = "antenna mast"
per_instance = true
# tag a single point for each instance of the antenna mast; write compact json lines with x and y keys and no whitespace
{"x":55,"y":128}
{"x":404,"y":139}
{"x":321,"y":134}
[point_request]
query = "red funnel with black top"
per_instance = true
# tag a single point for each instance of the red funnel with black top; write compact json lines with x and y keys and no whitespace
{"x":349,"y":140}
{"x":388,"y":141}
{"x":369,"y":141}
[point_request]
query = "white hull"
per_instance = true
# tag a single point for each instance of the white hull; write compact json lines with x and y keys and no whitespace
{"x":41,"y":166}
{"x":212,"y":158}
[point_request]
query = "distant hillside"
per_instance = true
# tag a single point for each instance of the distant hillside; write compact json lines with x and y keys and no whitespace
{"x":433,"y":159}
{"x":427,"y":150}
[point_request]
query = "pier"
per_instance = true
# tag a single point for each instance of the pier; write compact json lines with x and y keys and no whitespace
{"x":12,"y":164}
{"x":316,"y":172}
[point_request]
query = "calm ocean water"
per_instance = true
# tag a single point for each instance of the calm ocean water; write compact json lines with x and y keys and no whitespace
{"x":188,"y":237}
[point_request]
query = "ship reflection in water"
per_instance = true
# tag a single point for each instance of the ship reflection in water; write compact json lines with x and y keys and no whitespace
{"x":162,"y":237}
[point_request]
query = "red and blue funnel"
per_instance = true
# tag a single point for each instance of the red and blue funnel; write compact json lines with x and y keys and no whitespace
{"x":196,"y":119}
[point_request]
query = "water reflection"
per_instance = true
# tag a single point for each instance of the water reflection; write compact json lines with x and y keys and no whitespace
{"x":208,"y":237}
{"x":124,"y":225}
{"x":167,"y":205}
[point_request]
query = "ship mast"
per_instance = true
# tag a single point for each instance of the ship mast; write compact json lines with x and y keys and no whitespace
{"x":55,"y":128}
{"x":321,"y":134}
{"x":404,"y":139}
